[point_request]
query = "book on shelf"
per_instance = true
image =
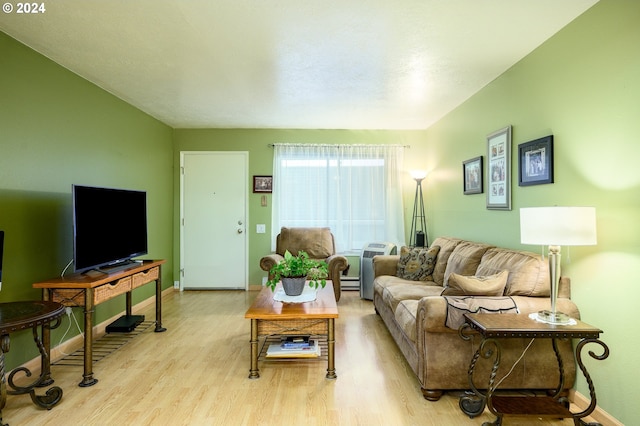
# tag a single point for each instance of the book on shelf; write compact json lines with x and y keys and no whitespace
{"x":297,"y":342}
{"x":312,"y":350}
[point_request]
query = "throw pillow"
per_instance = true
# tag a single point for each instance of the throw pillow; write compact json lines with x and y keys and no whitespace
{"x":460,"y":285}
{"x":417,"y":263}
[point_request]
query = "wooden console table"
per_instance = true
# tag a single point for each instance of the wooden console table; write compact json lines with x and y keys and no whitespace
{"x":92,"y":288}
{"x":16,"y":316}
{"x":493,"y":328}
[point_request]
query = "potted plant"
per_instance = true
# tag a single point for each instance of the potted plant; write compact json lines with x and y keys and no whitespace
{"x":293,"y":271}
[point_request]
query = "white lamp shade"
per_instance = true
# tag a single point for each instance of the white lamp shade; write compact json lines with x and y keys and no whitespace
{"x":418,"y":174}
{"x":558,"y":226}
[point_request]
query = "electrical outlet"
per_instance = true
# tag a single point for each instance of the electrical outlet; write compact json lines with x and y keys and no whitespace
{"x":176,"y":284}
{"x":261,"y":228}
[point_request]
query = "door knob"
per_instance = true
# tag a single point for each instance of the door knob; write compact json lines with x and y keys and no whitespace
{"x":239,"y":231}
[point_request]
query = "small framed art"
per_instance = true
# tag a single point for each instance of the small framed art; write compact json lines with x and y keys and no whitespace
{"x":499,"y":169}
{"x":263,"y":184}
{"x":472,"y":176}
{"x":535,"y":160}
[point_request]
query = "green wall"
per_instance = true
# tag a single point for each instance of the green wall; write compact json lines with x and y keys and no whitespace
{"x":582,"y":86}
{"x":256,"y":142}
{"x":57,"y":129}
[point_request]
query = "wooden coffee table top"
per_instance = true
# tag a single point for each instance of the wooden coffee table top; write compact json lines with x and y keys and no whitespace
{"x":265,"y":308}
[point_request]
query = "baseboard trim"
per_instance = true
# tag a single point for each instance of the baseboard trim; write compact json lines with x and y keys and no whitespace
{"x":76,"y":342}
{"x":598,"y":415}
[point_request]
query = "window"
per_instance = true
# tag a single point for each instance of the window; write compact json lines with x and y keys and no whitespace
{"x":353,"y":189}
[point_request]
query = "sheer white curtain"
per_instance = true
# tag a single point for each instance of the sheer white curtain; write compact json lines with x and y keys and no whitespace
{"x":353,"y":189}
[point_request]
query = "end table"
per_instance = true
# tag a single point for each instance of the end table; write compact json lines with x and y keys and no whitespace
{"x":16,"y":316}
{"x":493,"y":328}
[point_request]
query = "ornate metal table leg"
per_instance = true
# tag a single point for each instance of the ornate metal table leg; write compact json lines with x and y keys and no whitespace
{"x":254,"y":373}
{"x":4,"y":347}
{"x":592,"y":390}
{"x":331,"y":343}
{"x":472,"y":405}
{"x":53,"y":395}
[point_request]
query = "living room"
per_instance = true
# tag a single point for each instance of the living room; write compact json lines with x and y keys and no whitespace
{"x":580,"y":85}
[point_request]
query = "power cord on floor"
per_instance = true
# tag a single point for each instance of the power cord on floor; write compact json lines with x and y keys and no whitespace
{"x":70,"y":315}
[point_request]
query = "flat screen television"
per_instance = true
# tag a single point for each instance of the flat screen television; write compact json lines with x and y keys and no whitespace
{"x":109,"y":227}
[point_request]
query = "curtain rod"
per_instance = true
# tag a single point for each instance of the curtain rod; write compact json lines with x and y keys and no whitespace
{"x":271,"y":145}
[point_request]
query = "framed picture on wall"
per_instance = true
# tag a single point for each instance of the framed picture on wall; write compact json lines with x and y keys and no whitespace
{"x":499,"y":169}
{"x":535,"y":160}
{"x":263,"y":184}
{"x":472,"y":176}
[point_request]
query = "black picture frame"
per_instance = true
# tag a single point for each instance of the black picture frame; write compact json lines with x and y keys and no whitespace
{"x":472,"y":171}
{"x":263,"y":184}
{"x":535,"y":162}
{"x":499,"y":169}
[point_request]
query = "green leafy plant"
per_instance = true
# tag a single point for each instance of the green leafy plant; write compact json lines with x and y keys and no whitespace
{"x":299,"y":266}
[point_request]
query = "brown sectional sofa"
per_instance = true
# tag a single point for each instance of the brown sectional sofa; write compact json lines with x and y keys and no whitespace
{"x":417,"y":317}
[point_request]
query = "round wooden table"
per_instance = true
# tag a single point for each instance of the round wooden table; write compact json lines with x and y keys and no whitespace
{"x":17,"y":316}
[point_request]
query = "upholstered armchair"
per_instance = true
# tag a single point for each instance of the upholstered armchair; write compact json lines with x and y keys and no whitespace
{"x":318,"y":243}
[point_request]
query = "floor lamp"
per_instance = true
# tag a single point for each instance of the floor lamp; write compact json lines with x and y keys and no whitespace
{"x":556,"y":227}
{"x":418,"y":234}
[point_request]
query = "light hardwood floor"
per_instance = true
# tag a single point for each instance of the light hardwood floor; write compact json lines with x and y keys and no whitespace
{"x":196,"y":373}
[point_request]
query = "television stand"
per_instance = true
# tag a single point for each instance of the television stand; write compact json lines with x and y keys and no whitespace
{"x":89,"y":290}
{"x":125,"y":324}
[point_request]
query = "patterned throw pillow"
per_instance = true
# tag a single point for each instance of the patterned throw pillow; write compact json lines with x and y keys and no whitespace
{"x":417,"y":263}
{"x":491,"y":285}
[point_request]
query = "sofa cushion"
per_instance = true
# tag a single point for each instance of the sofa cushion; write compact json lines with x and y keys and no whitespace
{"x":446,"y":244}
{"x":405,"y":315}
{"x":417,"y":263}
{"x":316,"y":242}
{"x":465,"y":258}
{"x":528,"y":272}
{"x":491,"y":285}
{"x":415,"y":290}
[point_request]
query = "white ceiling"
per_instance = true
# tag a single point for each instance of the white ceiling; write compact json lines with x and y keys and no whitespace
{"x":321,"y":64}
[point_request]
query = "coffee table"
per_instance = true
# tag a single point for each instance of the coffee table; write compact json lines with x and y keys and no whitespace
{"x":272,"y":318}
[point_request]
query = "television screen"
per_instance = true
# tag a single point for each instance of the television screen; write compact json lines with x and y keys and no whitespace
{"x":109,"y":226}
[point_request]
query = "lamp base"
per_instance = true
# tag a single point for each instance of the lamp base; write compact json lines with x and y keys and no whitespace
{"x":554,"y":317}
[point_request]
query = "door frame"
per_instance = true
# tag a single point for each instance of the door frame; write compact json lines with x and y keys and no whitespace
{"x":246,"y":211}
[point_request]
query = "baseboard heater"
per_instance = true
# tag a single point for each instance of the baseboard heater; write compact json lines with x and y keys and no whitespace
{"x":125,"y":324}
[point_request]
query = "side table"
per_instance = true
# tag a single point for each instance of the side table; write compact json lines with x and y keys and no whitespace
{"x":16,"y":316}
{"x":493,"y":328}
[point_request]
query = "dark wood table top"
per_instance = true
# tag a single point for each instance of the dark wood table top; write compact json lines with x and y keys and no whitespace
{"x":16,"y":316}
{"x":520,"y":325}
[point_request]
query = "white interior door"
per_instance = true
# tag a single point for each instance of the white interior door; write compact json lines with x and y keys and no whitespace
{"x":213,"y":238}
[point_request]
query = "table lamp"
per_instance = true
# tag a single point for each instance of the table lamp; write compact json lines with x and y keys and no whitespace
{"x":556,"y":227}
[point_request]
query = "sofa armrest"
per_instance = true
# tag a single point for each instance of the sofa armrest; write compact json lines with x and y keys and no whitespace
{"x":336,"y":264}
{"x":268,"y":261}
{"x":385,"y":264}
{"x":432,"y":314}
{"x":432,"y":310}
